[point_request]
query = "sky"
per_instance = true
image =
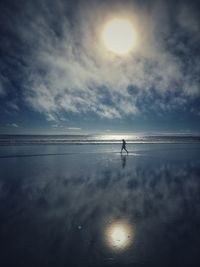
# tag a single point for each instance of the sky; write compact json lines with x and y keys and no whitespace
{"x":56,"y":76}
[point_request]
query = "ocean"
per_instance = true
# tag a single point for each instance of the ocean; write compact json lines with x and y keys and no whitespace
{"x":95,"y":139}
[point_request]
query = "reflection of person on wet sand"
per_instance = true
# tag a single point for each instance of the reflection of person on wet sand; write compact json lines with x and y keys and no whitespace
{"x":124,"y":146}
{"x":123,"y":158}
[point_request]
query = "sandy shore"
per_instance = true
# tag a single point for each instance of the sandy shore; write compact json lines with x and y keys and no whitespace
{"x":56,"y":202}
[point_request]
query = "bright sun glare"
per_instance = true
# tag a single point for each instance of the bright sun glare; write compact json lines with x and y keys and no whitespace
{"x":119,"y":36}
{"x":119,"y":235}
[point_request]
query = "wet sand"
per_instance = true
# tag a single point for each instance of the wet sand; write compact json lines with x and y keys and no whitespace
{"x":56,"y":203}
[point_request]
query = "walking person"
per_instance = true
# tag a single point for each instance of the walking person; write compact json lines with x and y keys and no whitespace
{"x":124,"y":146}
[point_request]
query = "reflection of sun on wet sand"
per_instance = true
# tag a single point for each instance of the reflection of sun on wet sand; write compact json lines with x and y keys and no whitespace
{"x":119,"y":235}
{"x":80,"y":200}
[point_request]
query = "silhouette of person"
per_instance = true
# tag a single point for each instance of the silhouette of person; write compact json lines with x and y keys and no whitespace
{"x":124,"y":146}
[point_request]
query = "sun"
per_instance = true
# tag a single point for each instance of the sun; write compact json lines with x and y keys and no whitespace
{"x":119,"y":36}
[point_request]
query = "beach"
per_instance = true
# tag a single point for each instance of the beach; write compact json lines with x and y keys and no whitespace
{"x":99,"y":133}
{"x":57,"y":200}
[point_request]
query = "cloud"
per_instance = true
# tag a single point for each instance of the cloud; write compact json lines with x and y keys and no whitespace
{"x":74,"y":128}
{"x":13,"y":125}
{"x":1,"y":88}
{"x":188,"y":19}
{"x":3,"y":85}
{"x":58,"y":126}
{"x":13,"y":105}
{"x":69,"y":69}
{"x":55,"y":125}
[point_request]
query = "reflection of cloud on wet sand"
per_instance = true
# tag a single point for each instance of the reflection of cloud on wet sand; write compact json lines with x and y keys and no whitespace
{"x":152,"y":191}
{"x":64,"y":204}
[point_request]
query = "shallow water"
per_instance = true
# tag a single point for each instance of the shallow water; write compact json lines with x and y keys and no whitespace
{"x":60,"y":204}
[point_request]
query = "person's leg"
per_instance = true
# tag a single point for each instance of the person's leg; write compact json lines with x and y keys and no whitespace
{"x":126,"y":150}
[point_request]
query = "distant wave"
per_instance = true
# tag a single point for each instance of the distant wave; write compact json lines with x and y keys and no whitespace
{"x":6,"y":140}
